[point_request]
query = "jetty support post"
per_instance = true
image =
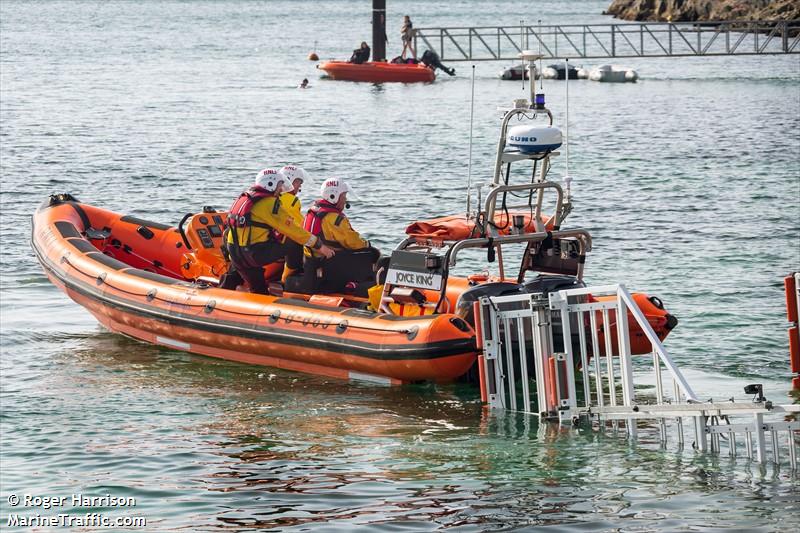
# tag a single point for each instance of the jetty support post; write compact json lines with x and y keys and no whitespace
{"x":378,"y":30}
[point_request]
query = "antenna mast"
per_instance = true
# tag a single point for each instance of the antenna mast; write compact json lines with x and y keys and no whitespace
{"x":469,"y":164}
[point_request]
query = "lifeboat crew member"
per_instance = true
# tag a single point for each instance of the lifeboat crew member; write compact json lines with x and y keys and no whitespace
{"x":296,"y":176}
{"x":261,"y":231}
{"x":326,"y":220}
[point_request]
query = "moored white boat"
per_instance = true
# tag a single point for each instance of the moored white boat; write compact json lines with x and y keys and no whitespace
{"x":516,"y":72}
{"x":613,"y":74}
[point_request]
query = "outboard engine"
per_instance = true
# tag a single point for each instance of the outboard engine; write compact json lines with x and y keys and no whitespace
{"x":431,"y":59}
{"x":552,"y":283}
{"x":542,"y":284}
{"x":471,"y":295}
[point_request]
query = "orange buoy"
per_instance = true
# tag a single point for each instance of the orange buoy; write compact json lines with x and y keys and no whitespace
{"x":313,"y":56}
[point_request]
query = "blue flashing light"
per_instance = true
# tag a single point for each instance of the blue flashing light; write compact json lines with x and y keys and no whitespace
{"x":539,"y":101}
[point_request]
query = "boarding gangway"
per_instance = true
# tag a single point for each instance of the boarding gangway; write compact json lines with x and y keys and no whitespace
{"x":522,"y":343}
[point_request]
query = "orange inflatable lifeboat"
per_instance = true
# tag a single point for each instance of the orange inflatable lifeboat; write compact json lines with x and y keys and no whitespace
{"x":148,"y":281}
{"x":157,"y":283}
{"x":378,"y":72}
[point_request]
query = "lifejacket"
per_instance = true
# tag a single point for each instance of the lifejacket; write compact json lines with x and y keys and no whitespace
{"x":240,"y":218}
{"x":315,"y":215}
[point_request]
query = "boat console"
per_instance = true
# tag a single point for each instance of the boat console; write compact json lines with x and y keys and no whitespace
{"x":202,"y":235}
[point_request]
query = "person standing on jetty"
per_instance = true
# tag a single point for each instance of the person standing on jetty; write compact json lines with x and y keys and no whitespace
{"x":406,"y":33}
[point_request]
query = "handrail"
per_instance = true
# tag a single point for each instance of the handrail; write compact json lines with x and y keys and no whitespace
{"x":709,"y":24}
{"x":583,"y":236}
{"x":623,"y":295}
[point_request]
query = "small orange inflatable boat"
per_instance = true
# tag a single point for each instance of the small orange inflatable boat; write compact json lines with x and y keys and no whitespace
{"x":141,"y":279}
{"x":378,"y":72}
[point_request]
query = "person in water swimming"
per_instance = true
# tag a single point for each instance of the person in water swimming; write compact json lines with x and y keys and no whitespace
{"x":262,"y":231}
{"x":361,"y":54}
{"x":303,"y":84}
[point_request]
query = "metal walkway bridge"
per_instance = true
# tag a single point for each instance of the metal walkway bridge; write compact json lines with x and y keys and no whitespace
{"x":595,"y":41}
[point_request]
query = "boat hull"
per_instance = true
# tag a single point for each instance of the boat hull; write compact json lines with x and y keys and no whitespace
{"x":257,"y":329}
{"x":378,"y":72}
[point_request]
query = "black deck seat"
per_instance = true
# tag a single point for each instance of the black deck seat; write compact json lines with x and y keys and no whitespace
{"x":325,"y":276}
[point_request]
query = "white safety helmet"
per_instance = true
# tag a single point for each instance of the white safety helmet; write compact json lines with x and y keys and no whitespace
{"x":270,"y":179}
{"x":333,"y":188}
{"x":293,"y":172}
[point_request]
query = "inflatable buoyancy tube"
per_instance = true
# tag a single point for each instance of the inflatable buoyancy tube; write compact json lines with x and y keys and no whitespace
{"x":659,"y":319}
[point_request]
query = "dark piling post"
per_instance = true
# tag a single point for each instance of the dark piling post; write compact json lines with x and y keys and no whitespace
{"x":378,"y":30}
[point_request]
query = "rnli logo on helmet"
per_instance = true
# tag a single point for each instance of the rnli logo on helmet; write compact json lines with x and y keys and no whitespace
{"x":520,"y":139}
{"x":332,"y":183}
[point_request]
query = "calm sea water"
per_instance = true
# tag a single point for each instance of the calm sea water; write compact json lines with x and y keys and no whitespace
{"x":689,"y":181}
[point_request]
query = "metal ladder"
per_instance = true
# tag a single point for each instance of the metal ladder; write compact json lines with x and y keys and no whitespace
{"x":546,"y":355}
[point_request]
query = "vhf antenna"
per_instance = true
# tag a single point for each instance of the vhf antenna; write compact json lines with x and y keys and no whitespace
{"x":469,"y":163}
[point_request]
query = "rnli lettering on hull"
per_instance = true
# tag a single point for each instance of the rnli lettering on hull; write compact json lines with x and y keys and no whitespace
{"x":419,"y":280}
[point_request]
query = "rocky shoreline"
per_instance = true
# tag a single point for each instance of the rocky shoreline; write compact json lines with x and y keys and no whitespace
{"x":702,"y":10}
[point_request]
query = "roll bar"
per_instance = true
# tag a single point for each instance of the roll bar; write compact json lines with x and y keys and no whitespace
{"x":583,"y":236}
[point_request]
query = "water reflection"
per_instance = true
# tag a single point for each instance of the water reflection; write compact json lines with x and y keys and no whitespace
{"x":257,"y":448}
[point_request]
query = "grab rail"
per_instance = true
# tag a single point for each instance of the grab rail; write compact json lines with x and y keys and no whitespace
{"x":491,"y":200}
